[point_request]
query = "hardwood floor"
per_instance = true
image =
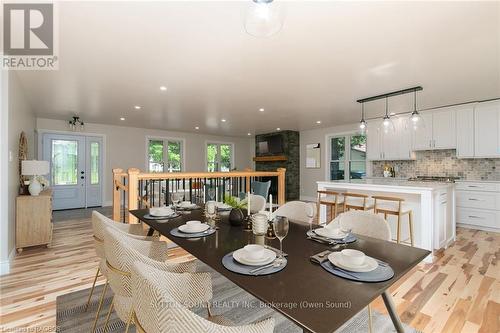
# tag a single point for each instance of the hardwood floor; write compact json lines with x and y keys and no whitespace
{"x":459,"y":292}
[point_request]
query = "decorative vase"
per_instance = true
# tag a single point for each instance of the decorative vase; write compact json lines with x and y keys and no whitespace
{"x":236,"y":217}
{"x":35,"y":187}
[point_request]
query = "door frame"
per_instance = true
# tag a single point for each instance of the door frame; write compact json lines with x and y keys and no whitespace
{"x":39,"y":133}
{"x":207,"y":142}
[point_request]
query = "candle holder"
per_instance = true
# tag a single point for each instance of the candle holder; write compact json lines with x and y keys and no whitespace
{"x":248,"y":223}
{"x":270,"y":231}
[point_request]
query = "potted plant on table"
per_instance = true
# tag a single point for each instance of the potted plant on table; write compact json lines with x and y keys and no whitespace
{"x":238,"y":211}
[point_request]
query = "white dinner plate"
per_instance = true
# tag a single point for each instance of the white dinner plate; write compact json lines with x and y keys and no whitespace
{"x":267,"y":258}
{"x":187,"y":206}
{"x":325,"y":232}
{"x":163,"y":215}
{"x":369,"y":265}
{"x":193,"y":230}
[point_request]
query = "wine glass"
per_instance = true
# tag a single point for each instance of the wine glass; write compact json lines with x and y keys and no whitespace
{"x":210,"y":209}
{"x":211,"y":194}
{"x":280,"y":226}
{"x":176,"y":199}
{"x":311,"y":206}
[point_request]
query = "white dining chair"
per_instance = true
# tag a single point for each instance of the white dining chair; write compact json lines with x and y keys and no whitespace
{"x":161,"y":302}
{"x":257,"y":203}
{"x":365,"y":224}
{"x":296,"y":211}
{"x":99,"y":223}
{"x":121,"y":252}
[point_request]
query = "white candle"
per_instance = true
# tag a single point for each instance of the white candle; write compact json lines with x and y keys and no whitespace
{"x":217,"y":193}
{"x":270,"y":206}
{"x":248,"y":203}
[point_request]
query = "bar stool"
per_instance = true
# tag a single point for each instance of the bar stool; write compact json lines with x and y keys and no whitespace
{"x":397,"y":207}
{"x":358,"y":201}
{"x":331,"y":199}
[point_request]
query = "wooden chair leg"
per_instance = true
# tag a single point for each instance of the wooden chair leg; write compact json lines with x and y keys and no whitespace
{"x":398,"y":239}
{"x":410,"y":222}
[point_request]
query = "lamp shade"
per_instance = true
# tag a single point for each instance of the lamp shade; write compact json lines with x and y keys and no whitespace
{"x":34,"y":168}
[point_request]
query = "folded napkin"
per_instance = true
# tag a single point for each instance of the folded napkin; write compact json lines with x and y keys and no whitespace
{"x":319,"y":258}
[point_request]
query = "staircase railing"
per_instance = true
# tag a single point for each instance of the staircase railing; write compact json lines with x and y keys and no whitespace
{"x":135,"y":189}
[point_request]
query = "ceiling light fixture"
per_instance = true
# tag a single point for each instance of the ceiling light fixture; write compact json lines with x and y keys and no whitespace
{"x":264,"y":18}
{"x":278,"y":129}
{"x":137,"y":107}
{"x":249,"y":134}
{"x":387,"y":123}
{"x":223,"y":120}
{"x":76,"y":123}
{"x":416,"y":120}
{"x":197,"y":128}
{"x":318,"y":121}
{"x":362,"y":122}
{"x":122,"y":119}
{"x":163,"y":88}
{"x":261,"y":109}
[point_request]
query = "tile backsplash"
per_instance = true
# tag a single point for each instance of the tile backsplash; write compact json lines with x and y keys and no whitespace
{"x":442,"y":163}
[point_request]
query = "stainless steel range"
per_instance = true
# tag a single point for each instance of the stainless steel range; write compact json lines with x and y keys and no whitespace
{"x":433,"y":179}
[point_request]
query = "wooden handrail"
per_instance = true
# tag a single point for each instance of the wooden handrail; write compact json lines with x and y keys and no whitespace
{"x":130,"y":187}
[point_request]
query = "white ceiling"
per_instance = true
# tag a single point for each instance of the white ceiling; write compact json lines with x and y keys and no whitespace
{"x":114,"y":55}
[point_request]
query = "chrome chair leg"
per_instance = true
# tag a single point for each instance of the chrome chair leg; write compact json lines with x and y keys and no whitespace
{"x":92,"y":290}
{"x":100,"y":306}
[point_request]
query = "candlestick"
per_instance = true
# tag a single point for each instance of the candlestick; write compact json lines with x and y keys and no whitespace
{"x":248,"y":203}
{"x":216,"y":193}
{"x":270,"y":206}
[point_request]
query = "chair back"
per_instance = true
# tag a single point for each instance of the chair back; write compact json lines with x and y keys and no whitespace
{"x":257,"y":203}
{"x":261,"y":188}
{"x":364,"y":223}
{"x":296,"y":211}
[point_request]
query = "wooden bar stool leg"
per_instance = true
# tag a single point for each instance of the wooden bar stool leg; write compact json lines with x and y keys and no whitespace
{"x":398,"y":239}
{"x":410,"y":221}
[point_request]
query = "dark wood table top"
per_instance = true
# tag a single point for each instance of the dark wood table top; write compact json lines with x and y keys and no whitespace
{"x":304,"y":292}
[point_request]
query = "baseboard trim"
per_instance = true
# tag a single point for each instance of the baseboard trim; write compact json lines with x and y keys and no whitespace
{"x":5,"y":265}
{"x":477,"y":227}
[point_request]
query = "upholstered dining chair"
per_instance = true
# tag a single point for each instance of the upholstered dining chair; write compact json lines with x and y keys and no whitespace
{"x":261,"y":188}
{"x":121,"y":252}
{"x":161,"y":302}
{"x":296,"y":211}
{"x":257,"y":203}
{"x":99,"y":222}
{"x":366,"y":224}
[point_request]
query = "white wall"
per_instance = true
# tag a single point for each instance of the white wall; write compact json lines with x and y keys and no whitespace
{"x":20,"y":118}
{"x":4,"y":167}
{"x":309,"y":177}
{"x":126,"y":147}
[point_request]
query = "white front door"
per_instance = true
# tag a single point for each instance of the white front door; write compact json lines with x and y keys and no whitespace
{"x":75,"y":170}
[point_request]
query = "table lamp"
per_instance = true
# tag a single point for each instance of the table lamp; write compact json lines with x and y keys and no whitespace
{"x":34,"y":168}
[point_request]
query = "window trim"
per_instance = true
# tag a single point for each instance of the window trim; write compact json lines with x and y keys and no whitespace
{"x":207,"y":142}
{"x":166,"y":138}
{"x":347,"y":155}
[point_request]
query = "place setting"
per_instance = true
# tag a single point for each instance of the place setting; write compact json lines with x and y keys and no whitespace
{"x":187,"y":206}
{"x":193,"y":229}
{"x":257,"y":259}
{"x":354,"y":265}
{"x":331,"y":234}
{"x":161,"y":213}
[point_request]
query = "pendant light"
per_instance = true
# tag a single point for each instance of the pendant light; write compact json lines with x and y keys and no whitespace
{"x":362,"y":123}
{"x":264,"y":18}
{"x":416,"y":120}
{"x":387,"y":123}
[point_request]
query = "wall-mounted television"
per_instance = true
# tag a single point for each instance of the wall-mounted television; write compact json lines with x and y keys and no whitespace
{"x":271,"y":145}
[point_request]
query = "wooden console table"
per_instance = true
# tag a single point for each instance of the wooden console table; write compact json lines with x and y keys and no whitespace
{"x":33,"y":220}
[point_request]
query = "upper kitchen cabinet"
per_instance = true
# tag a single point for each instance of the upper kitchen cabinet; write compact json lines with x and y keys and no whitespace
{"x":394,"y":145}
{"x":487,"y":129}
{"x":465,"y":131}
{"x":439,"y":131}
{"x":373,"y":144}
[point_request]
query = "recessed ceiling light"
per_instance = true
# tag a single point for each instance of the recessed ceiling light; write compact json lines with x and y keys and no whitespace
{"x":197,"y":128}
{"x":249,"y":133}
{"x":261,"y":109}
{"x":318,"y":121}
{"x":122,"y":119}
{"x":137,"y":107}
{"x":223,"y":120}
{"x":278,"y":129}
{"x":163,"y":88}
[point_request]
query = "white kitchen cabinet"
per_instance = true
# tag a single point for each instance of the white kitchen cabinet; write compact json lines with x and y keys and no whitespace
{"x":444,"y":231}
{"x":439,"y":131}
{"x":395,"y":145}
{"x":478,"y":205}
{"x":373,"y":144}
{"x":465,"y":132}
{"x":487,"y":129}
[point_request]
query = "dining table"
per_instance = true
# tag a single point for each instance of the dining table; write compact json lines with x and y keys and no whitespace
{"x":303,"y":291}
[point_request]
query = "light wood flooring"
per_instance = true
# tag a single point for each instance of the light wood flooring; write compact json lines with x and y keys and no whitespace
{"x":459,"y":292}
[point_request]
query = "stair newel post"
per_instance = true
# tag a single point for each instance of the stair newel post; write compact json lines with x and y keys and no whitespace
{"x":133,"y":192}
{"x":281,"y":186}
{"x":117,"y":179}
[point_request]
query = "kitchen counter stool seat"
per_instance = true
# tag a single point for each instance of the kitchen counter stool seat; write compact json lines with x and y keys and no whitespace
{"x":395,"y":206}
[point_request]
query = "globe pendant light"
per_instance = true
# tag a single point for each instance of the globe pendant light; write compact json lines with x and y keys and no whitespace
{"x":416,"y":120}
{"x":264,"y":18}
{"x":362,"y":123}
{"x":387,"y":123}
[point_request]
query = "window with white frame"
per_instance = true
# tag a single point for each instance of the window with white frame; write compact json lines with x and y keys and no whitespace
{"x":220,"y":157}
{"x":347,"y":157}
{"x":165,"y":155}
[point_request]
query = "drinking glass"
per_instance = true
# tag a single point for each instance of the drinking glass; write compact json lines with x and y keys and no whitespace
{"x":211,"y":194}
{"x":280,"y":226}
{"x":310,"y":214}
{"x":176,"y":199}
{"x":211,"y":209}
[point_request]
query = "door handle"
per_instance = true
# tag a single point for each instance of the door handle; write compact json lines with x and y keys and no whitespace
{"x":82,"y":172}
{"x":82,"y":177}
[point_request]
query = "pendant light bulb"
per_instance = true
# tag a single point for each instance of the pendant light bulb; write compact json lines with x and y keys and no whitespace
{"x":387,"y":123}
{"x":416,"y":120}
{"x":264,"y":18}
{"x":362,"y":123}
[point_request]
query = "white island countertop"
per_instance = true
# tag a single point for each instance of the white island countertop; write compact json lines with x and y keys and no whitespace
{"x":391,"y":183}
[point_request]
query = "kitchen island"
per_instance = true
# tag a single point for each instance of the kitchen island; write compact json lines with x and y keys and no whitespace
{"x":433,"y":205}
